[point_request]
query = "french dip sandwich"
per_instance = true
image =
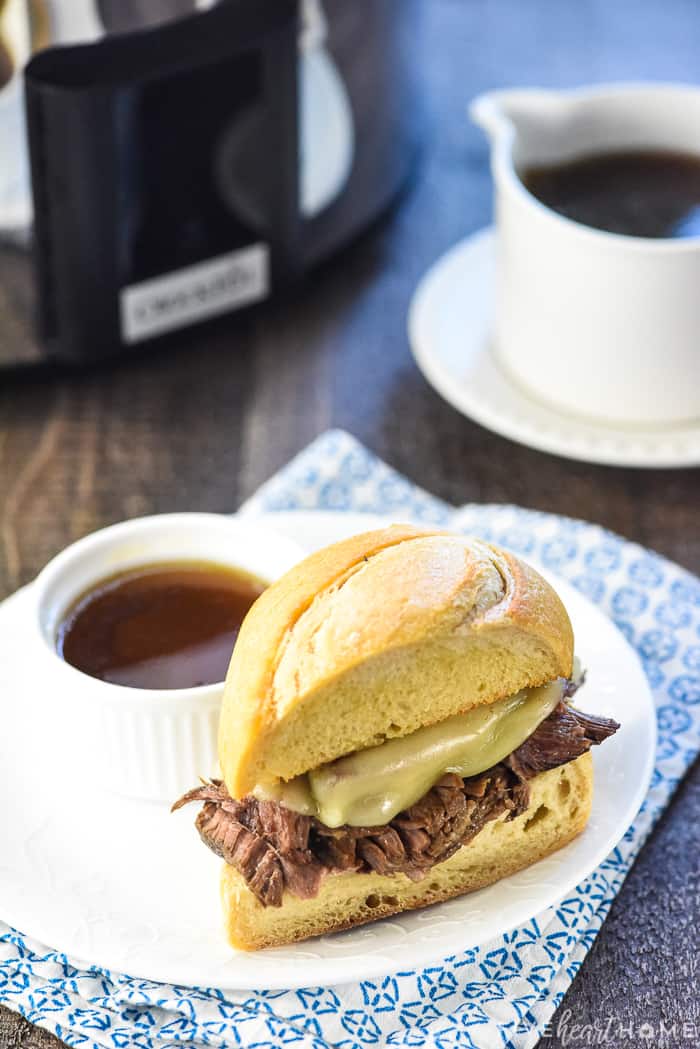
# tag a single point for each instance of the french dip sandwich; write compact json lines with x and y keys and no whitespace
{"x":396,"y":730}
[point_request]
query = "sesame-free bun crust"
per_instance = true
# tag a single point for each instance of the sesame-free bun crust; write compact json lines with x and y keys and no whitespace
{"x":560,"y":802}
{"x":376,"y":636}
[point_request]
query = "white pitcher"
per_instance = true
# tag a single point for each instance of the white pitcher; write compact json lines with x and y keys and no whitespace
{"x":599,"y":324}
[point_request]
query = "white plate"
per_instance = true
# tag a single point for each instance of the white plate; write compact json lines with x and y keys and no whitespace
{"x":126,"y":886}
{"x":449,"y":327}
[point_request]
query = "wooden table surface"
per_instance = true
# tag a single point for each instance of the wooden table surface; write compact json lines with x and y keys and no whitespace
{"x":201,"y":427}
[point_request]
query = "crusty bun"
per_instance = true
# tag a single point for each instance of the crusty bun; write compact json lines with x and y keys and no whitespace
{"x":375,"y":637}
{"x":560,"y":802}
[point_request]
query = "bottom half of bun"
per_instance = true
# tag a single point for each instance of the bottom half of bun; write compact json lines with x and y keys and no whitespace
{"x":560,"y":804}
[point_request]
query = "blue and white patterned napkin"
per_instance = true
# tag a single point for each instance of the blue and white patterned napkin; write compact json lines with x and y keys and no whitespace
{"x":501,"y":994}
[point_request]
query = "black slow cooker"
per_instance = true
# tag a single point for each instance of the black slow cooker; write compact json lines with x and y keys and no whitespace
{"x":189,"y":159}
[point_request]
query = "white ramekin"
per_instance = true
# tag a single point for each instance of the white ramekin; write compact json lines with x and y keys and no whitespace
{"x":146,"y":743}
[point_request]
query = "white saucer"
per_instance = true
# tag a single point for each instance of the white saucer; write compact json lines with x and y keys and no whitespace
{"x":127,"y":886}
{"x":449,"y":328}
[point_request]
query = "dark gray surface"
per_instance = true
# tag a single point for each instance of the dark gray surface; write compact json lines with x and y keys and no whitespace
{"x":200,"y":428}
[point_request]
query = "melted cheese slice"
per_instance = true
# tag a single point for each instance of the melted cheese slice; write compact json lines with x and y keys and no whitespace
{"x":370,"y":787}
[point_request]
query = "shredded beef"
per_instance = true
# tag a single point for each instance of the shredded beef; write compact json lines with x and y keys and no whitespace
{"x":253,"y":856}
{"x":566,"y":734}
{"x":265,"y":842}
{"x":275,"y":849}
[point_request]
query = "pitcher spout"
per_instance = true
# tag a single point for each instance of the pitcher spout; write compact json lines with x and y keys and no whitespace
{"x":502,"y":114}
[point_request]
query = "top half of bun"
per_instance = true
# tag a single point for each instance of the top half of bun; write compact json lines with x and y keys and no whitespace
{"x":376,"y":636}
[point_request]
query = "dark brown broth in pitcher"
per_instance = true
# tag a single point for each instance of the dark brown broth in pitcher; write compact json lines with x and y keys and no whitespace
{"x":636,"y":193}
{"x":160,"y":625}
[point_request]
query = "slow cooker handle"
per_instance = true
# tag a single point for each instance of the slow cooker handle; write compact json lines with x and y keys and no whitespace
{"x":136,"y":152}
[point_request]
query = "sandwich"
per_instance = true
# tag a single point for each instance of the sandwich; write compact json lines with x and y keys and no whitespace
{"x":397,"y":729}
